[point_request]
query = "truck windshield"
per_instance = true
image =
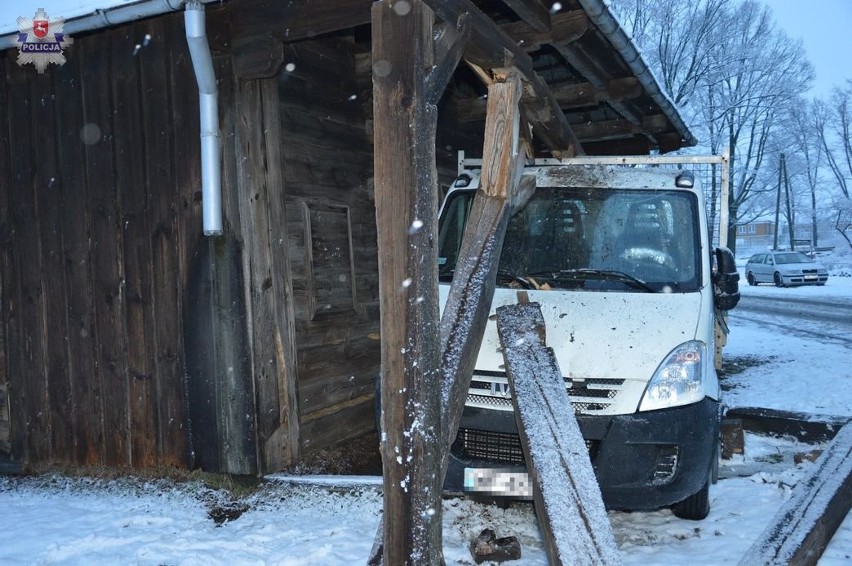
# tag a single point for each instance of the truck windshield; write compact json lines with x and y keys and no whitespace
{"x":589,"y":239}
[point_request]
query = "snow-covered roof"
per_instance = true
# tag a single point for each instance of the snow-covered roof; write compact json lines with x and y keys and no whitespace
{"x":68,"y":9}
{"x":83,"y":15}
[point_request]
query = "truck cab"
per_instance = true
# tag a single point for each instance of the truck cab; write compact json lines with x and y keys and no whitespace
{"x":620,"y":261}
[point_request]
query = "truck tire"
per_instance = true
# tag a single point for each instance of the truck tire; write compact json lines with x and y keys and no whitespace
{"x":695,"y":507}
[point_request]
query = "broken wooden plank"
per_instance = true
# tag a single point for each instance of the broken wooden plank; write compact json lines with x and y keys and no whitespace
{"x":491,"y":48}
{"x":803,"y":527}
{"x":469,"y":302}
{"x":567,"y":498}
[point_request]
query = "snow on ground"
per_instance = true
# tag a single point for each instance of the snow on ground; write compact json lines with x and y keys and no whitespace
{"x":57,"y":520}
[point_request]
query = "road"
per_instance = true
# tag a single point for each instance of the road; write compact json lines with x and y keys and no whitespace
{"x":824,"y":318}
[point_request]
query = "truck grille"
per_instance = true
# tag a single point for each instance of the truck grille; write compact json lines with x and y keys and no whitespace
{"x":499,"y":447}
{"x":587,"y":396}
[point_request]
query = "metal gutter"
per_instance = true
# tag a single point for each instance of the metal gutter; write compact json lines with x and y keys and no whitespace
{"x":208,"y":94}
{"x":120,"y":14}
{"x":600,"y":15}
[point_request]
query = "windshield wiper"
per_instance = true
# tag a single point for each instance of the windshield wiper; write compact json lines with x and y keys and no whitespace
{"x":587,"y":274}
{"x":505,"y":274}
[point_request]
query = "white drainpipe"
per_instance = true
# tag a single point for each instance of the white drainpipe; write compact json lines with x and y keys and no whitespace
{"x":202,"y":62}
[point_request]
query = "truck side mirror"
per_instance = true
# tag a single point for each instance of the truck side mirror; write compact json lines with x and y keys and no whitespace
{"x":726,"y":287}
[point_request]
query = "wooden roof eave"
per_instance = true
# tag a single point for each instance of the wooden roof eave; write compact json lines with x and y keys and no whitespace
{"x":491,"y":48}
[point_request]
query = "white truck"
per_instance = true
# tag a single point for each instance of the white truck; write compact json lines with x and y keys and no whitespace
{"x":621,"y":257}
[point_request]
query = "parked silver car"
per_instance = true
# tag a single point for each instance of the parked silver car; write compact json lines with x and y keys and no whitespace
{"x":785,"y":268}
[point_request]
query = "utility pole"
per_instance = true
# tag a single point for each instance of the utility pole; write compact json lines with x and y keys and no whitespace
{"x":790,"y":220}
{"x":778,"y":203}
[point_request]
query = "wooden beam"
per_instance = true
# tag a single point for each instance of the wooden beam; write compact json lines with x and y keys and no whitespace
{"x":656,"y":123}
{"x":260,"y":184}
{"x":568,"y":502}
{"x":565,"y":28}
{"x":406,"y":191}
{"x":294,"y":21}
{"x":569,"y":97}
{"x":450,"y":42}
{"x":606,"y":130}
{"x":803,"y":527}
{"x":582,"y":95}
{"x":623,"y":88}
{"x":806,"y":427}
{"x":491,"y":48}
{"x":671,"y":141}
{"x":533,"y":12}
{"x":466,"y":312}
{"x":636,"y":145}
{"x":257,"y":57}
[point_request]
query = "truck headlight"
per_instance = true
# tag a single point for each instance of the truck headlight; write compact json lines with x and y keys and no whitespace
{"x":678,"y":380}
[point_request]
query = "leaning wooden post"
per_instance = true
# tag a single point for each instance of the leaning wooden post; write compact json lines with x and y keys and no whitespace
{"x":502,"y":191}
{"x":406,"y":190}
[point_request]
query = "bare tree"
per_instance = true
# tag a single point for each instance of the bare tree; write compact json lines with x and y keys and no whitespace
{"x":833,"y":122}
{"x":677,"y":38}
{"x":749,"y":91}
{"x":732,"y":70}
{"x":838,"y":118}
{"x":799,"y":128}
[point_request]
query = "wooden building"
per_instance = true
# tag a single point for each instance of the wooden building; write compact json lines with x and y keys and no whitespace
{"x":127,"y":337}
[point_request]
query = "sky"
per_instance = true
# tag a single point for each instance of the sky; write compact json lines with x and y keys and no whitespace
{"x":824,"y":28}
{"x":57,"y":520}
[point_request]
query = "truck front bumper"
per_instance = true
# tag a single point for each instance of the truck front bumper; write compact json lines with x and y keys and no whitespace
{"x":642,"y":461}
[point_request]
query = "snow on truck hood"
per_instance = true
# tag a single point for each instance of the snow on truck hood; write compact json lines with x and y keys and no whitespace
{"x":601,"y":334}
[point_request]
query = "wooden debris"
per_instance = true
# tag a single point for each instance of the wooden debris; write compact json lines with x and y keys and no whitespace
{"x":487,"y":547}
{"x":809,"y":456}
{"x":804,"y":426}
{"x":733,"y":438}
{"x":221,"y":514}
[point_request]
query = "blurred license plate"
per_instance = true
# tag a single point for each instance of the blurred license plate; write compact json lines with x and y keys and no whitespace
{"x":810,"y":276}
{"x":498,"y":482}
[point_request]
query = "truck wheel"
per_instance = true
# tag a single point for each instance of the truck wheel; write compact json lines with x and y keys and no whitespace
{"x":750,"y":279}
{"x":779,"y":282}
{"x":696,"y":506}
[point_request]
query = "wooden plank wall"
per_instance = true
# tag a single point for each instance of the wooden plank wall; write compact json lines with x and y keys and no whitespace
{"x":129,"y":338}
{"x":6,"y":263}
{"x":98,"y":208}
{"x":331,"y":223}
